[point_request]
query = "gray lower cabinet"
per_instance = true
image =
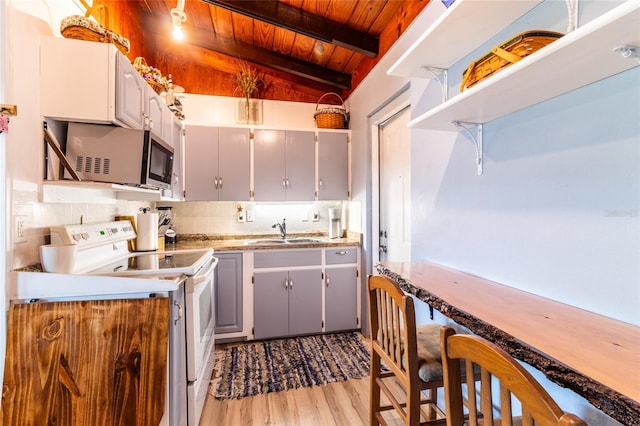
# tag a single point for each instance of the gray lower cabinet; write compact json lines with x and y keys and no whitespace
{"x":287,"y":303}
{"x":340,"y":295}
{"x":228,"y":293}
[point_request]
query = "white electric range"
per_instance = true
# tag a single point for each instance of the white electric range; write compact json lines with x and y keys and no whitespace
{"x":103,"y":267}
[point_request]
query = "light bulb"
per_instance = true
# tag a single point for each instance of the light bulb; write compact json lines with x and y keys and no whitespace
{"x":177,"y":32}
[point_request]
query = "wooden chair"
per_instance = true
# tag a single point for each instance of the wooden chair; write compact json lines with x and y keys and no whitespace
{"x":411,"y":354}
{"x":477,"y":353}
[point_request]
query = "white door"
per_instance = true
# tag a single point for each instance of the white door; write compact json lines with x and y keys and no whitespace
{"x":395,"y":188}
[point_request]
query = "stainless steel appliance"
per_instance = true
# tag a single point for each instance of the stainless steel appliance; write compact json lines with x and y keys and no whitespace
{"x":104,"y":268}
{"x":119,"y":155}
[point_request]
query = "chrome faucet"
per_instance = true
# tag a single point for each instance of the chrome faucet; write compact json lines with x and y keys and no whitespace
{"x":283,"y":228}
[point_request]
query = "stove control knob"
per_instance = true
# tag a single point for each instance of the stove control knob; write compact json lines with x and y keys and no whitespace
{"x":85,"y":235}
{"x":76,"y":237}
{"x":114,"y":230}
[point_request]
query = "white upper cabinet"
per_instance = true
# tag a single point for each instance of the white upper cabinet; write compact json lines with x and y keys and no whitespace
{"x":581,"y":57}
{"x":89,"y":82}
{"x":284,"y":165}
{"x":333,"y":166}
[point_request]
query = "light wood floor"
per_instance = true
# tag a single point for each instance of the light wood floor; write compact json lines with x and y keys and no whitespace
{"x":343,"y":403}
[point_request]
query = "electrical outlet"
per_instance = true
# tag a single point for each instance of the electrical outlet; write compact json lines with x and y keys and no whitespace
{"x":249,"y":214}
{"x":20,"y":229}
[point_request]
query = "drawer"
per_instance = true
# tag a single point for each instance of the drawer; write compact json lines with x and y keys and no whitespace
{"x":340,"y":255}
{"x":287,"y":258}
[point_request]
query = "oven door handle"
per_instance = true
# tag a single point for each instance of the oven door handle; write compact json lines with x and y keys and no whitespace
{"x":197,"y":279}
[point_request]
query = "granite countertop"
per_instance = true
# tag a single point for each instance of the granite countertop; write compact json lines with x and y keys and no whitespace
{"x":238,"y":242}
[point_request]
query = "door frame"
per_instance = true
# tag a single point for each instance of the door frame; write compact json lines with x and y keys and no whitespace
{"x":399,"y":101}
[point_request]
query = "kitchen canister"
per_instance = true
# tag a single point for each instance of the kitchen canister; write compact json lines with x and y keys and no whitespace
{"x":147,"y":230}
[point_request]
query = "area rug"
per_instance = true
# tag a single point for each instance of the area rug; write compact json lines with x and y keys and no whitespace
{"x":278,"y":365}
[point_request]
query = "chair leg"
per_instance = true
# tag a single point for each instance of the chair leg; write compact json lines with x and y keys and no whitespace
{"x":374,"y":374}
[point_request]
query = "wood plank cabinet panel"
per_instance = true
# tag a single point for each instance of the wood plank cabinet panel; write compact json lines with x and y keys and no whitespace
{"x":99,"y":362}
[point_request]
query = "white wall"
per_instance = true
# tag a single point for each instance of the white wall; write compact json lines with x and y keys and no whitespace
{"x":557,"y":210}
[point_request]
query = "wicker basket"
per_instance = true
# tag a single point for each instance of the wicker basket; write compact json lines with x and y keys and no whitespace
{"x":82,"y":28}
{"x":151,"y":75}
{"x":506,"y":54}
{"x":333,"y":117}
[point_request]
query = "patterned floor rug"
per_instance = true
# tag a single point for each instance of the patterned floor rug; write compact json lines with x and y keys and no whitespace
{"x":277,"y":365}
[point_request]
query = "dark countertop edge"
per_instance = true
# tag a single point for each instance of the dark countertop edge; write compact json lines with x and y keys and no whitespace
{"x":612,"y":403}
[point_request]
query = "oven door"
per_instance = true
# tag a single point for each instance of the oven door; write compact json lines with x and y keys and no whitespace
{"x":200,"y":317}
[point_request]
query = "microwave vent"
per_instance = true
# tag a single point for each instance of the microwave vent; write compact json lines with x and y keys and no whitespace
{"x":92,"y":165}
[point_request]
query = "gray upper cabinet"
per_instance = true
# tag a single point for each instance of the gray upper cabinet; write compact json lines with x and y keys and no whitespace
{"x":284,"y":165}
{"x":217,"y":162}
{"x":333,"y":166}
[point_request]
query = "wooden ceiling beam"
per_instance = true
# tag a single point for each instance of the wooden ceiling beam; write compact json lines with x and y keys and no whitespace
{"x":267,"y":58}
{"x":299,"y":21}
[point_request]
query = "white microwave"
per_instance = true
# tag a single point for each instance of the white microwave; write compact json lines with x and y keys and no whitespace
{"x":112,"y":154}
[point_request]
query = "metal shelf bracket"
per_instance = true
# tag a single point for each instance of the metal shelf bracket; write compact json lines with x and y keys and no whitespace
{"x":437,"y":72}
{"x":476,"y":139}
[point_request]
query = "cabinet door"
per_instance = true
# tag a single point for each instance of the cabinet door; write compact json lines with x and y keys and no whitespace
{"x":340,"y":293}
{"x":305,"y":301}
{"x":201,"y":167}
{"x":271,"y":304}
{"x":300,"y":166}
{"x":228,"y":297}
{"x":234,"y":162}
{"x":269,"y":165}
{"x":177,"y":181}
{"x":158,"y":115}
{"x":333,"y":166}
{"x":130,"y":94}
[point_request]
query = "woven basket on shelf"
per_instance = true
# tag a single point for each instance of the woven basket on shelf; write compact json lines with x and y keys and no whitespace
{"x":151,"y":75}
{"x":82,"y":28}
{"x":510,"y":52}
{"x":332,"y":117}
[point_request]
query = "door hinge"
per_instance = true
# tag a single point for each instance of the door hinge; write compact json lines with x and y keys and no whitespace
{"x":253,"y":331}
{"x":357,"y":273}
{"x":358,"y":321}
{"x":322,"y":275}
{"x":251,"y":135}
{"x":253,"y":279}
{"x":322,"y":324}
{"x":252,"y":194}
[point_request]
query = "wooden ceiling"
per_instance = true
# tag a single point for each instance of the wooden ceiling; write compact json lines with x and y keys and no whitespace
{"x":301,"y":48}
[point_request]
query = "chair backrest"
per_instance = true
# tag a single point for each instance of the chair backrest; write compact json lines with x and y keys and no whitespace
{"x":478,"y":353}
{"x":393,"y":327}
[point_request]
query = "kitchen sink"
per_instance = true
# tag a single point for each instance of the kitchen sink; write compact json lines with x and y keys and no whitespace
{"x":274,"y":241}
{"x":265,"y":242}
{"x":303,"y":240}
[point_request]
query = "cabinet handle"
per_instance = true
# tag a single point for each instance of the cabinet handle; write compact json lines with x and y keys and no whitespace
{"x":342,"y":253}
{"x":179,"y":306}
{"x":328,"y":281}
{"x":215,"y":182}
{"x":287,"y":180}
{"x":220,"y":183}
{"x":286,"y":283}
{"x":284,"y":183}
{"x":291,"y":284}
{"x":321,"y":184}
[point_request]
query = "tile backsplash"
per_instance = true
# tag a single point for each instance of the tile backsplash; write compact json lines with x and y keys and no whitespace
{"x":223,"y":218}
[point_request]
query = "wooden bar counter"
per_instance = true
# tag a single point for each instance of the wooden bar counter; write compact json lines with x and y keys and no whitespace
{"x":595,"y":356}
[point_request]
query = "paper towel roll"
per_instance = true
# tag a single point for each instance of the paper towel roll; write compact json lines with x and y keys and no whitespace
{"x":147,"y":230}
